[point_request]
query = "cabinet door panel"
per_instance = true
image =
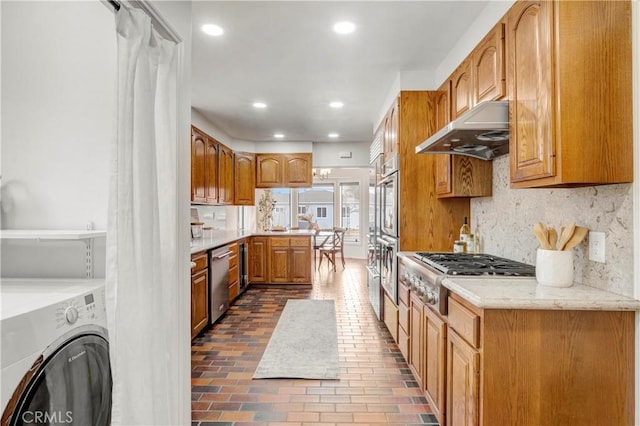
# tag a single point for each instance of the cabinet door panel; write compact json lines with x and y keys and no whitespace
{"x":211,"y":172}
{"x":198,"y":166}
{"x":297,"y":170}
{"x":199,"y":301}
{"x":270,"y":173}
{"x":300,"y":267}
{"x":279,"y":265}
{"x":531,"y":139}
{"x":416,"y":340}
{"x":435,"y":364}
{"x":258,"y":260}
{"x":463,"y":363}
{"x":225,"y":173}
{"x":461,"y":91}
{"x":244,"y":169}
{"x":488,"y":63}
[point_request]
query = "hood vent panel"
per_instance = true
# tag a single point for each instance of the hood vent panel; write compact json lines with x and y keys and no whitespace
{"x":482,"y":132}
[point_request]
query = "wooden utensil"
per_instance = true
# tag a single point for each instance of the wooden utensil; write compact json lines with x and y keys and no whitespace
{"x":566,"y":234}
{"x":540,"y":232}
{"x":578,"y":235}
{"x":553,"y":238}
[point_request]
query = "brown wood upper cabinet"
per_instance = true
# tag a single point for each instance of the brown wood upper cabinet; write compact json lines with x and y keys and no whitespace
{"x":211,"y":170}
{"x":458,"y":175}
{"x":283,"y":170}
{"x":204,"y":168}
{"x":569,"y":82}
{"x":244,"y":168}
{"x":225,"y":175}
{"x":390,"y":131}
{"x":488,"y":64}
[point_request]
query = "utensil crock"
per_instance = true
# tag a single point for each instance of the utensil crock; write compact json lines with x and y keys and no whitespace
{"x":554,"y":268}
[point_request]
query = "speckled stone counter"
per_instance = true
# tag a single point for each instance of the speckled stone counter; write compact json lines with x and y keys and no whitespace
{"x":526,"y":293}
{"x":220,"y":238}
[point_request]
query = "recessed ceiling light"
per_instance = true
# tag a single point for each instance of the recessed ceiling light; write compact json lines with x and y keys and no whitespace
{"x":259,"y":105}
{"x":212,"y":30}
{"x":344,"y":27}
{"x":333,"y":135}
{"x":336,"y":104}
{"x":278,"y":135}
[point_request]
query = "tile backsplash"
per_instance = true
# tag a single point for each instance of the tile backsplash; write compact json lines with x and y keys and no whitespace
{"x":505,"y":224}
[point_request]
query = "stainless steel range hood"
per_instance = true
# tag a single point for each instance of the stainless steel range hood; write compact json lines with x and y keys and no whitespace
{"x":482,"y":132}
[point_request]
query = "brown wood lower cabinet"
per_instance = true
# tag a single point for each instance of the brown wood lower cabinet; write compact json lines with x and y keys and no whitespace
{"x":258,"y":259}
{"x":539,"y":367}
{"x":390,"y":316}
{"x":199,"y":293}
{"x":416,"y":339}
{"x":280,"y":259}
{"x":234,"y":286}
{"x":435,"y":361}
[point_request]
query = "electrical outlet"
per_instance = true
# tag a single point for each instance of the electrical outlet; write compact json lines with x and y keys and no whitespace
{"x":596,"y":246}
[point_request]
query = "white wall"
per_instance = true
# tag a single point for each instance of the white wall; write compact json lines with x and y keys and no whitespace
{"x":58,"y":76}
{"x":328,"y":154}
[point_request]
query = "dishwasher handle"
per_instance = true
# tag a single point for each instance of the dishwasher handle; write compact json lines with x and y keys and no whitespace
{"x":223,"y":255}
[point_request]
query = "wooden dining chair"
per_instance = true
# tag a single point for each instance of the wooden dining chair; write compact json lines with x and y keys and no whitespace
{"x":332,"y":247}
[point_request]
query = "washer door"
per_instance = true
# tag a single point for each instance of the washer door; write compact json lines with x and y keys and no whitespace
{"x":72,"y":386}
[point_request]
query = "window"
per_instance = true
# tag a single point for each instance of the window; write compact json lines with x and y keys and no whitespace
{"x":327,"y":204}
{"x":282,"y":210}
{"x":350,"y":210}
{"x":318,"y":200}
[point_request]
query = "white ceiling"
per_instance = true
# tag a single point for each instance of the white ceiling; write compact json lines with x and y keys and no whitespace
{"x":287,"y":55}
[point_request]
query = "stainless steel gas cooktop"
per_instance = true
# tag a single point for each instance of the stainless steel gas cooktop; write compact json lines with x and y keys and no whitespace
{"x":475,"y":264}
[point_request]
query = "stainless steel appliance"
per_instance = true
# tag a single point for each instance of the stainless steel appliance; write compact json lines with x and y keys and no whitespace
{"x":431,"y":268}
{"x":373,"y":256}
{"x":481,"y":132}
{"x":219,"y":283}
{"x":389,"y":205}
{"x":389,"y":266}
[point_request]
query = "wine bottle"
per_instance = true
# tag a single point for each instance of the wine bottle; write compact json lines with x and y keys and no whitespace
{"x":465,"y":230}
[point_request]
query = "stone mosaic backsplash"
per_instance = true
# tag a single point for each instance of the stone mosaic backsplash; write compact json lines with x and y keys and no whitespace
{"x":505,"y":224}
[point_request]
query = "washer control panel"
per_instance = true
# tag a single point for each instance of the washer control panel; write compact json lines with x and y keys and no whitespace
{"x":81,"y":309}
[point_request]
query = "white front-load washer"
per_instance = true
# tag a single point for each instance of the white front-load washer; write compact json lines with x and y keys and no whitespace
{"x":54,"y":351}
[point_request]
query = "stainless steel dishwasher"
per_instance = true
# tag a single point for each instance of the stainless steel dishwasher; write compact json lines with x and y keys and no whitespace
{"x":219,"y":282}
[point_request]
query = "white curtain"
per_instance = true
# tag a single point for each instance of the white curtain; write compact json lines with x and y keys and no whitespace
{"x":141,"y":281}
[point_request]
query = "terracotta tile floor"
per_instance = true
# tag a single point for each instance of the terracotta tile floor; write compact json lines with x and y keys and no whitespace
{"x":375,"y":387}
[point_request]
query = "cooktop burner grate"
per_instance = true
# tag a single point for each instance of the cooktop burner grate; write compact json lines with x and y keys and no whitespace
{"x":475,"y":264}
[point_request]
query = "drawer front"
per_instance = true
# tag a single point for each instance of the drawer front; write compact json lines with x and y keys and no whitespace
{"x":300,"y":242}
{"x":234,"y":248}
{"x":201,"y":260}
{"x":403,"y":293}
{"x":391,"y":317}
{"x":233,"y":260}
{"x":233,"y":275}
{"x":464,"y":322}
{"x":403,"y":344}
{"x":403,"y":316}
{"x":279,"y":242}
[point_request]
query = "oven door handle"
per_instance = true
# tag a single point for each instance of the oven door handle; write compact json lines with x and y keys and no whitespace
{"x":385,"y":242}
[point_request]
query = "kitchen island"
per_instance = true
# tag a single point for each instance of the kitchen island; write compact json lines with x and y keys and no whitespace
{"x":521,"y":353}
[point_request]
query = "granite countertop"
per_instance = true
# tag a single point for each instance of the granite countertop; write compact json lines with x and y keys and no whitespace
{"x":526,"y":293}
{"x":220,"y":238}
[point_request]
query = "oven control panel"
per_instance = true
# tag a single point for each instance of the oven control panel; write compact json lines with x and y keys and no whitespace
{"x":424,"y":283}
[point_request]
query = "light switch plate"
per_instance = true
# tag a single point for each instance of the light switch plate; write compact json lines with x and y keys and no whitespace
{"x":596,"y":246}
